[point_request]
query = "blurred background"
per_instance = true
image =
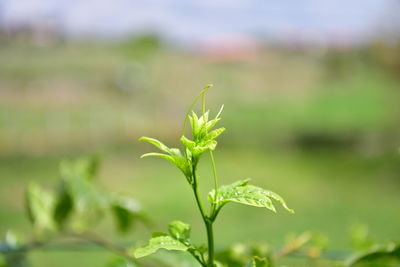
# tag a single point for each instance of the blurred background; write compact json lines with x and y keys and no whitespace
{"x":311,"y":92}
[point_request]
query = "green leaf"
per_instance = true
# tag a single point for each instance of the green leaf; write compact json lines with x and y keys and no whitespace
{"x":214,"y":134}
{"x":360,"y":237}
{"x":201,"y":126}
{"x":207,"y":143}
{"x":40,"y":205}
{"x":189,"y":144}
{"x":202,"y":130}
{"x":160,"y":242}
{"x":213,"y":122}
{"x":174,"y":156}
{"x":92,"y":166}
{"x":154,"y":154}
{"x":195,"y":149}
{"x":126,"y":211}
{"x":184,"y":165}
{"x":242,"y":192}
{"x":258,"y":262}
{"x":180,"y":162}
{"x":157,"y":234}
{"x":84,"y":168}
{"x":89,"y":202}
{"x":179,"y":230}
{"x":194,"y":122}
{"x":203,"y":140}
{"x":18,"y":259}
{"x":63,"y":206}
{"x":90,"y":208}
{"x":156,"y":143}
{"x":13,"y":239}
{"x":382,"y":254}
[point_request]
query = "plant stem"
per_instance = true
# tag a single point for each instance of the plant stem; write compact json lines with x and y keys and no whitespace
{"x":215,"y":173}
{"x":199,"y":259}
{"x":208,"y":223}
{"x":196,"y":195}
{"x":210,"y":239}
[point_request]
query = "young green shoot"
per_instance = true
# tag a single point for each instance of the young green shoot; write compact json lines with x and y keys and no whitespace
{"x":203,"y":139}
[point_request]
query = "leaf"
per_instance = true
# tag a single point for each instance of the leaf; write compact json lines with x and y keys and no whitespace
{"x":214,"y":134}
{"x":160,"y":242}
{"x":242,"y":192}
{"x":179,"y":230}
{"x":241,"y":255}
{"x":174,"y":156}
{"x":213,"y":122}
{"x":63,"y":206}
{"x":40,"y":205}
{"x":201,"y":127}
{"x":91,"y":205}
{"x":189,"y":144}
{"x":126,"y":211}
{"x":360,"y":237}
{"x":236,"y":255}
{"x":203,"y":140}
{"x":84,"y":168}
{"x":194,"y":122}
{"x":378,"y":253}
{"x":92,"y":166}
{"x":157,"y":234}
{"x":154,"y":154}
{"x":89,"y":202}
{"x":156,"y":143}
{"x":207,"y":143}
{"x":19,"y":259}
{"x":258,"y":262}
{"x":195,"y":149}
{"x":210,"y":145}
{"x":184,"y":165}
{"x":13,"y":239}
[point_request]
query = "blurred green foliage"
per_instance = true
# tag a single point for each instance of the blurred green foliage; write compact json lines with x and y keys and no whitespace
{"x":324,"y":122}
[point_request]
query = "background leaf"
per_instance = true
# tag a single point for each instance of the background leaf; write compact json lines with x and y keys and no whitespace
{"x":63,"y":206}
{"x":89,"y":202}
{"x":259,"y":262}
{"x":126,"y":212}
{"x":84,"y":168}
{"x":380,"y":255}
{"x":40,"y":205}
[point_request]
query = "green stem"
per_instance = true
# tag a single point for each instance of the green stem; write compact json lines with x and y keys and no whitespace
{"x":208,"y":223}
{"x":210,"y":239}
{"x":196,"y":195}
{"x":215,"y":173}
{"x":199,"y":259}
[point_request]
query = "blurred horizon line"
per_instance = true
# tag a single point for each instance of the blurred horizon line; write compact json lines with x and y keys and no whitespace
{"x":307,"y":23}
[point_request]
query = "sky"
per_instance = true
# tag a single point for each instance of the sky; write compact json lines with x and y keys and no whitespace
{"x":198,"y":19}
